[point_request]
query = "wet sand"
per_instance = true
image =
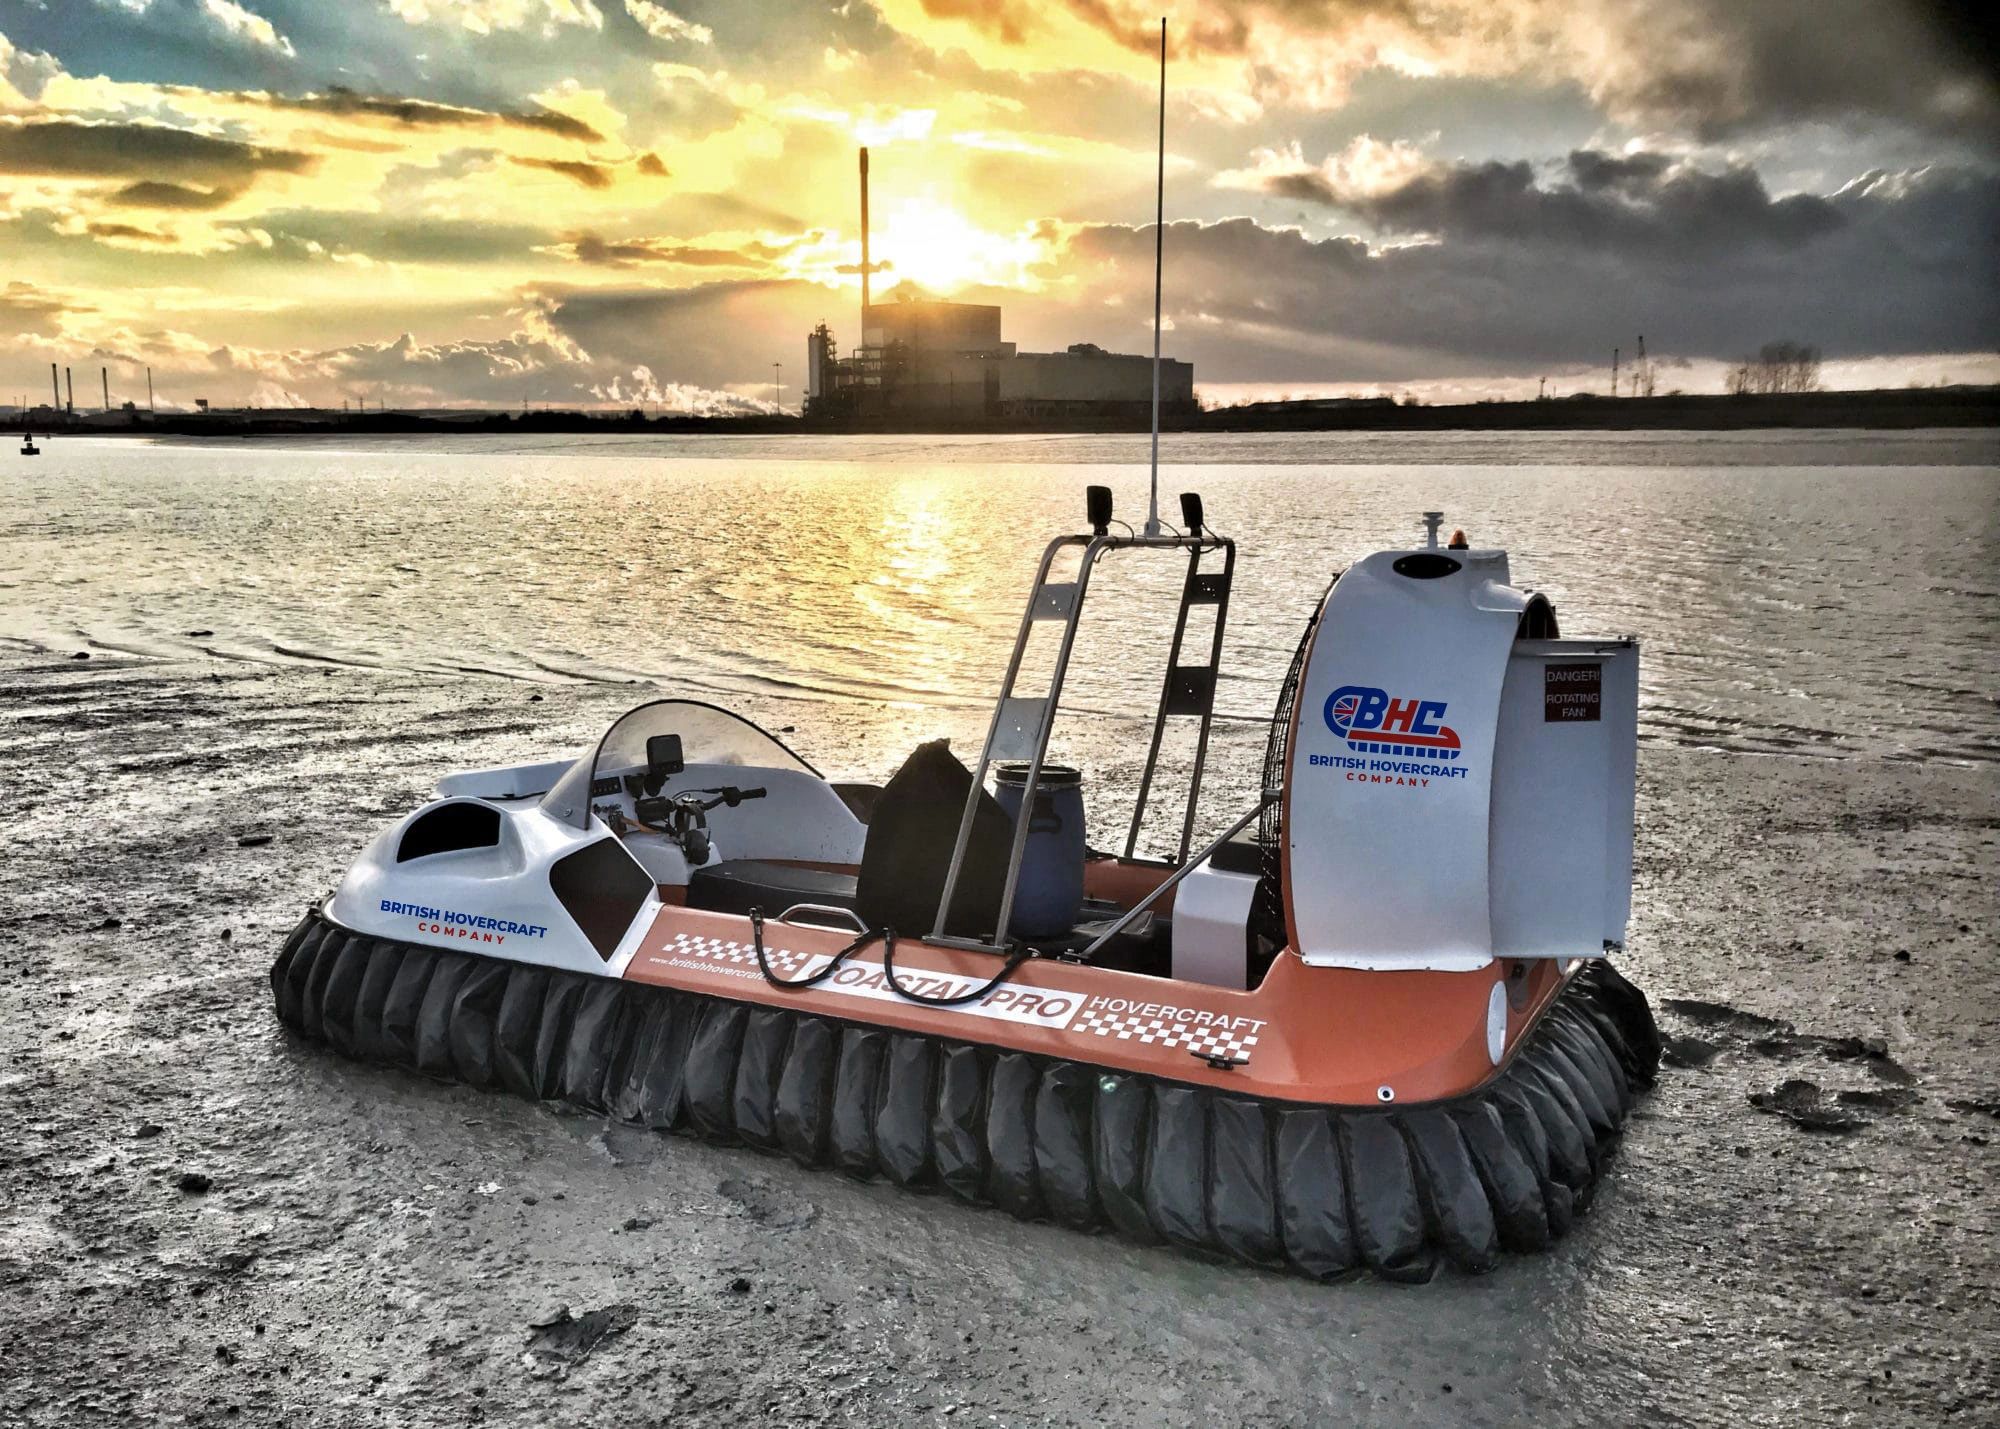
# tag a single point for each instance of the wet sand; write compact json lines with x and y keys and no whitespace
{"x":205,"y":1221}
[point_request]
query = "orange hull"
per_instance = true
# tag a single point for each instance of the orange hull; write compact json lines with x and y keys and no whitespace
{"x":1318,"y":1035}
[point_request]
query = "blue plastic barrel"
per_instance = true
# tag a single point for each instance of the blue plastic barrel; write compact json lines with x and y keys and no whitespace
{"x":1049,"y":895}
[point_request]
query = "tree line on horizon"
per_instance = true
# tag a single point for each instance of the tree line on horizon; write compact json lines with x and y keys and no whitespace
{"x":1785,"y":366}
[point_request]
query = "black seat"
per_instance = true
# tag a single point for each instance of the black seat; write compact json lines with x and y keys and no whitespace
{"x":737,"y":885}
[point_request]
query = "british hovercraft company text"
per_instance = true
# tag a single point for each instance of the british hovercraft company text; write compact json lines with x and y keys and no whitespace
{"x":464,"y":925}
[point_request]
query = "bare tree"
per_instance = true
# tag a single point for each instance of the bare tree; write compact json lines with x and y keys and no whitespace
{"x":1785,"y":366}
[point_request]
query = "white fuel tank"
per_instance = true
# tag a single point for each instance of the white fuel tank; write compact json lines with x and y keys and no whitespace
{"x":1454,"y":793}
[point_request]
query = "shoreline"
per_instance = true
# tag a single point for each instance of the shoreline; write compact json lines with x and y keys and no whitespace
{"x":1885,"y":409}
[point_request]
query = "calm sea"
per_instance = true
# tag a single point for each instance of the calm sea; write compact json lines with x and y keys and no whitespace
{"x":1824,"y":593}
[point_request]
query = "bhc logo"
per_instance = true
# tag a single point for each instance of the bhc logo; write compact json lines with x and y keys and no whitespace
{"x":1372,"y":723}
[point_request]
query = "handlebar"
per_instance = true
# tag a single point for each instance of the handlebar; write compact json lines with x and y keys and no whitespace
{"x":728,"y":794}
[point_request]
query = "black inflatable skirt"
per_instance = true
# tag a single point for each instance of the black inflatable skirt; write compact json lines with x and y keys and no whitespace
{"x":1321,"y":1191}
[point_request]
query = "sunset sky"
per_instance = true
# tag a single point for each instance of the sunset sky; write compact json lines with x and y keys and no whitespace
{"x":622,"y":201}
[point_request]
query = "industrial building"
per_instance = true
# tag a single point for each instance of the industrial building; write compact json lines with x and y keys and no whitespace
{"x":921,"y":357}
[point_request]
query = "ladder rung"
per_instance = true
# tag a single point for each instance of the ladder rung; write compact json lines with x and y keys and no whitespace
{"x":971,"y":945}
{"x":1018,"y":727}
{"x":1190,"y":690}
{"x":1055,"y":601}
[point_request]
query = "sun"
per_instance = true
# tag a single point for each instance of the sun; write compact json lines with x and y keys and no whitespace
{"x":930,"y":243}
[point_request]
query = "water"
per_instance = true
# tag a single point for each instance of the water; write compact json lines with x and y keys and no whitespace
{"x":1828,"y":593}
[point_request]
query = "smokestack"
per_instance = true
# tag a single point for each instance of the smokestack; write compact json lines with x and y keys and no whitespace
{"x":149,"y":390}
{"x":864,"y":245}
{"x":105,"y":372}
{"x":69,"y":384}
{"x":55,"y":390}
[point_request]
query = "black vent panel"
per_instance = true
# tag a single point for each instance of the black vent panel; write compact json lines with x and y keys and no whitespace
{"x":450,"y":828}
{"x":602,"y":889}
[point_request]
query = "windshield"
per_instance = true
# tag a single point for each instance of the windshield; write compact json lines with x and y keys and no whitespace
{"x":709,"y":735}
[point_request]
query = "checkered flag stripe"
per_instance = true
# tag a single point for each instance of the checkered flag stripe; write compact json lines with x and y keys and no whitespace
{"x":1165,"y":1032}
{"x":784,"y":961}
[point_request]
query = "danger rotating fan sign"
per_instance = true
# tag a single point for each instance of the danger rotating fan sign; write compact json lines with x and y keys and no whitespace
{"x":1572,"y":692}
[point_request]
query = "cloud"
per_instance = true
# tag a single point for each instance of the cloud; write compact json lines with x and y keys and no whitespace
{"x":242,"y":24}
{"x":1704,"y":265}
{"x":876,"y":125}
{"x":26,"y":308}
{"x":1718,"y":67}
{"x":663,"y":24}
{"x":505,"y":171}
{"x":530,"y":365}
{"x":398,"y":238}
{"x":1705,"y":67}
{"x":591,"y":176}
{"x":1365,"y":166}
{"x":73,"y":148}
{"x":420,"y":113}
{"x":719,"y":334}
{"x":23,"y":73}
{"x":152,"y":193}
{"x":130,"y":233}
{"x":1602,"y":202}
{"x":484,"y":17}
{"x":634,"y":252}
{"x":239,"y":24}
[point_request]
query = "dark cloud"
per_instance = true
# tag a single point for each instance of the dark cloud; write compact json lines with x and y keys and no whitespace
{"x":1718,"y":67}
{"x":423,"y":113}
{"x":1706,"y":67}
{"x":152,"y":193}
{"x":711,"y":335}
{"x":28,"y":309}
{"x":1012,"y":22}
{"x":1595,"y":171}
{"x":70,"y":148}
{"x":634,"y":252}
{"x":392,"y":238}
{"x":591,"y":176}
{"x":1601,"y":201}
{"x":1892,"y":264}
{"x":130,"y":233}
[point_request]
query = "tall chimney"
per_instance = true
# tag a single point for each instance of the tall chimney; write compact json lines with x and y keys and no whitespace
{"x":865,"y":268}
{"x":55,"y":390}
{"x":69,"y":383}
{"x":149,"y":389}
{"x":105,"y":372}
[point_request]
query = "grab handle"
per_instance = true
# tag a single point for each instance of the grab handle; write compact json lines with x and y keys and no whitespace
{"x":830,"y":910}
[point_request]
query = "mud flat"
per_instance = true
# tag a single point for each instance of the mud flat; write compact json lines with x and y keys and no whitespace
{"x":203,"y":1221}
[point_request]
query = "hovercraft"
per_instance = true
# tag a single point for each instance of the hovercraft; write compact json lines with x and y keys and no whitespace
{"x":1371,"y":1025}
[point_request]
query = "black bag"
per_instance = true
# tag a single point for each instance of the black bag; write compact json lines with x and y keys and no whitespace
{"x":908,"y":853}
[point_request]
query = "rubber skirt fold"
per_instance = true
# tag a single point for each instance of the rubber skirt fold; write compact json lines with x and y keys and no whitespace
{"x":1321,"y":1191}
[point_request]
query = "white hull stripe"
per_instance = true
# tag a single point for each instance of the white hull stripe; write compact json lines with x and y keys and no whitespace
{"x":1201,"y":1033}
{"x":861,"y":977}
